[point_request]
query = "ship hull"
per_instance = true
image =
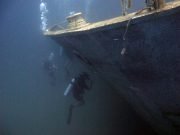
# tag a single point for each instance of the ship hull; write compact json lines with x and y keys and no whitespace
{"x":140,"y":58}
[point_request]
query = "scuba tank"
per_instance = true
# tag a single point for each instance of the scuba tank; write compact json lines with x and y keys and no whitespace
{"x":69,"y":87}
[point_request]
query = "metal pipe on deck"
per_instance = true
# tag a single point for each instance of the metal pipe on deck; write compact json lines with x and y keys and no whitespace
{"x":155,"y":4}
{"x":125,"y":5}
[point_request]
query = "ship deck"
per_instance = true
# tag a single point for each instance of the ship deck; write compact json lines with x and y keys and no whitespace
{"x":101,"y":24}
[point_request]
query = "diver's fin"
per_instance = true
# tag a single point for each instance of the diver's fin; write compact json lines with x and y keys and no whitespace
{"x":70,"y":114}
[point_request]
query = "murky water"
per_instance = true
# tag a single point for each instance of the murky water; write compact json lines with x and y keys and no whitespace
{"x":29,"y":104}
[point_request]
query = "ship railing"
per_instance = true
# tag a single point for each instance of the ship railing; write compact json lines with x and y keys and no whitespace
{"x":58,"y":26}
{"x":63,"y":27}
{"x":151,"y":4}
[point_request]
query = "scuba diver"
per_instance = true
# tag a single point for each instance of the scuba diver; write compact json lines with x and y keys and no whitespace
{"x":51,"y":68}
{"x":77,"y":87}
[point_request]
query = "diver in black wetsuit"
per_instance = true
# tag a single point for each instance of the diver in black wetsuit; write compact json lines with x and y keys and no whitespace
{"x":78,"y":91}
